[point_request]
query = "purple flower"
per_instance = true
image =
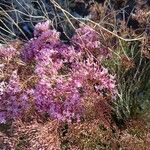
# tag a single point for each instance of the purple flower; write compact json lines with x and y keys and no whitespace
{"x":66,"y":76}
{"x":14,"y":100}
{"x":88,"y":40}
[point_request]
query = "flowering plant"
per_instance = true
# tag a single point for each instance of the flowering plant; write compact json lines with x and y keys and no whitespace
{"x":69,"y":77}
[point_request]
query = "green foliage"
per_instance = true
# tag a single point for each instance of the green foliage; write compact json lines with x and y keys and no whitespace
{"x":133,"y":83}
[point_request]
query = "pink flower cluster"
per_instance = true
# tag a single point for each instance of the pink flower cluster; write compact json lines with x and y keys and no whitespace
{"x":63,"y":72}
{"x":88,"y":40}
{"x":13,"y":99}
{"x":44,"y":38}
{"x":66,"y":75}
